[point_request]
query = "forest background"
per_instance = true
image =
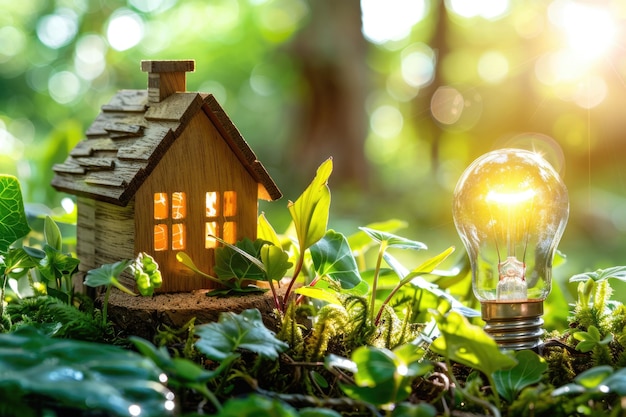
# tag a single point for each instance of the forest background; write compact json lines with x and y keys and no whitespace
{"x":403,"y":94}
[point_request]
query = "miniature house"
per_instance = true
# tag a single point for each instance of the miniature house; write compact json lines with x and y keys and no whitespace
{"x":161,"y":171}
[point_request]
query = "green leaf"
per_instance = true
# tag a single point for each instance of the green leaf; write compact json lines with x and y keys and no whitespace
{"x":392,"y":240}
{"x":238,"y":331}
{"x":333,"y":257}
{"x":319,"y":294}
{"x":78,"y":376}
{"x":57,"y":264}
{"x":240,"y":261}
{"x":255,"y":405}
{"x":385,"y":376}
{"x":182,"y":370}
{"x":311,"y":210}
{"x":590,"y":339}
{"x":529,"y":370}
{"x":13,"y":222}
{"x":617,"y":272}
{"x":276,"y":262}
{"x":360,"y":240}
{"x":17,"y":259}
{"x":414,"y":410}
{"x":186,"y":260}
{"x":108,"y":274}
{"x":266,"y":232}
{"x":469,"y":345}
{"x":52,"y":234}
{"x":593,"y":377}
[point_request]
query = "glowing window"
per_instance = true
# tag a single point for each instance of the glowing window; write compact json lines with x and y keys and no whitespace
{"x":211,"y":204}
{"x":230,"y":232}
{"x":160,"y":206}
{"x":179,"y":206}
{"x":160,"y":237}
{"x":210,"y":231}
{"x":230,"y":203}
{"x":178,"y":236}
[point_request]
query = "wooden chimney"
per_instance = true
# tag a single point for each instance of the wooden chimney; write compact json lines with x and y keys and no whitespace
{"x":166,"y":78}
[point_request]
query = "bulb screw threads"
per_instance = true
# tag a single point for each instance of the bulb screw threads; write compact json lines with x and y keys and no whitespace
{"x":514,"y":325}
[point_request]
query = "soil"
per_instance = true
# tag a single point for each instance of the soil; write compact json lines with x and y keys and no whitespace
{"x":142,"y":316}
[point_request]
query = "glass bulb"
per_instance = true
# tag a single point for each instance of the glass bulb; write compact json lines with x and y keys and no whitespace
{"x":510,"y":209}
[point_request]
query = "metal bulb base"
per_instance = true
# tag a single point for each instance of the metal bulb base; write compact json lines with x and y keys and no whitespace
{"x":514,"y":325}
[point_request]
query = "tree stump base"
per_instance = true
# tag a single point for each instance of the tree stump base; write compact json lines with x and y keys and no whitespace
{"x":144,"y":316}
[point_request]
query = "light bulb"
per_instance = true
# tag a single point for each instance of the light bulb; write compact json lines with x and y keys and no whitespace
{"x":510,"y":210}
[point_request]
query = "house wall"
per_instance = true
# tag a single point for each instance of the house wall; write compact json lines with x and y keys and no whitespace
{"x":105,"y":234}
{"x":199,"y":161}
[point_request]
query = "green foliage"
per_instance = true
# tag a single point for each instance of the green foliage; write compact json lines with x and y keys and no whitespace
{"x":244,"y":331}
{"x":591,"y":339}
{"x":237,"y":265}
{"x":529,"y":370}
{"x":332,"y":257}
{"x":57,"y":319}
{"x":381,"y":376}
{"x":13,"y":224}
{"x":71,"y":375}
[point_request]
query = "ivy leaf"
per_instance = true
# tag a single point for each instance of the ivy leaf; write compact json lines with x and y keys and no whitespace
{"x":13,"y":222}
{"x":393,"y":241}
{"x":333,"y":257}
{"x":529,"y":370}
{"x":469,"y":345}
{"x":311,"y":210}
{"x":238,"y":331}
{"x":618,"y":272}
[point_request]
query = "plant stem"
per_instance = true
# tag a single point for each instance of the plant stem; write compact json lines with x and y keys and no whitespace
{"x":296,"y":272}
{"x":105,"y":304}
{"x":379,"y":260}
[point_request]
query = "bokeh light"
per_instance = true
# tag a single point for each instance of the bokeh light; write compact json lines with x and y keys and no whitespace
{"x":493,"y":67}
{"x":124,"y":30}
{"x":390,"y":20}
{"x":58,"y":29}
{"x":488,"y":9}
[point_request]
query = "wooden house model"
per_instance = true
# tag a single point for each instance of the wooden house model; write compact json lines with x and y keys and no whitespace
{"x":160,"y":171}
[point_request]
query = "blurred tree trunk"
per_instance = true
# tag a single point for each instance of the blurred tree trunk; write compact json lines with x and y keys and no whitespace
{"x":331,"y":53}
{"x":429,"y":129}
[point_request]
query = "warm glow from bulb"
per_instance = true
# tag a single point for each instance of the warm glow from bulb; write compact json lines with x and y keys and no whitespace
{"x":510,"y":199}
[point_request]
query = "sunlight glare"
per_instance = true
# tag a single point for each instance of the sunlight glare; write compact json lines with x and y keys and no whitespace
{"x":390,"y":20}
{"x":488,"y":9}
{"x":590,"y":30}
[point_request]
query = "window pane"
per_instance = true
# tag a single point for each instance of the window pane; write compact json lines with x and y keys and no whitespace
{"x":211,"y":204}
{"x":179,"y":205}
{"x":160,"y":205}
{"x":160,"y":237}
{"x":178,"y":236}
{"x":230,"y":232}
{"x":230,"y":203}
{"x":211,"y":230}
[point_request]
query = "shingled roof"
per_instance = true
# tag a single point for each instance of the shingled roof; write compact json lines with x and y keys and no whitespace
{"x":131,"y":135}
